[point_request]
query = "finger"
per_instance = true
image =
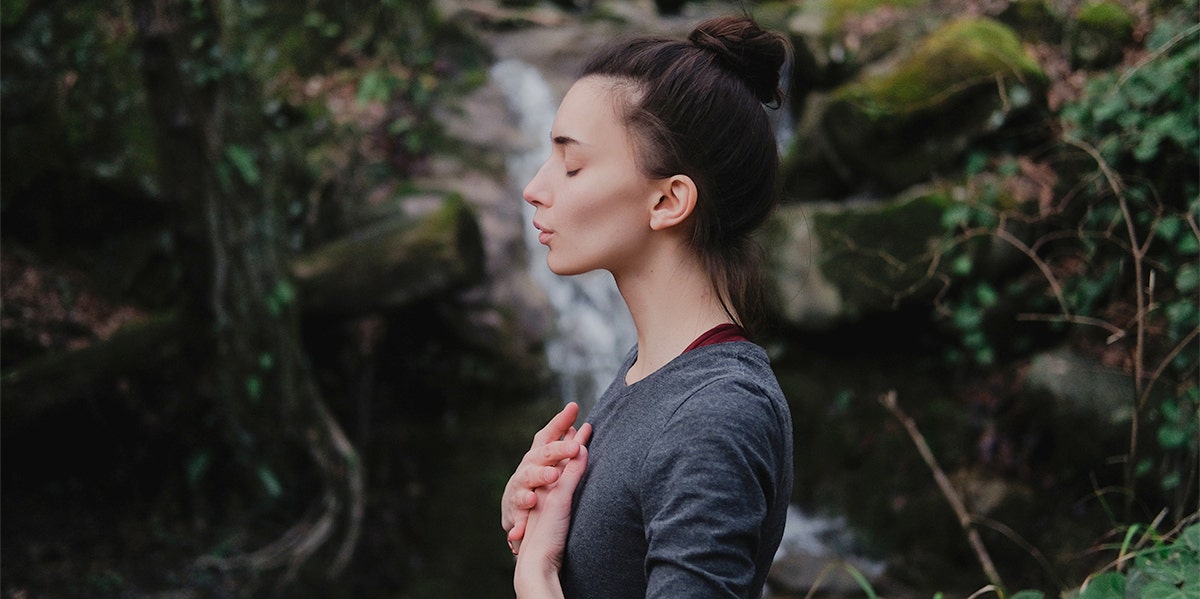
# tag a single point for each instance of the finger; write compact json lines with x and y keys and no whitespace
{"x":558,"y":425}
{"x":584,"y":435}
{"x":572,"y":473}
{"x":546,"y":455}
{"x":561,"y":493}
{"x":516,"y":535}
{"x":516,"y":508}
{"x":533,"y":477}
{"x":524,"y":501}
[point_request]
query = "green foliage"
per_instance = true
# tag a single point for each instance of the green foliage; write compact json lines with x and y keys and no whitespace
{"x":1131,"y":208}
{"x":1170,"y":569}
{"x":73,"y":98}
{"x":280,"y":298}
{"x":1145,"y":122}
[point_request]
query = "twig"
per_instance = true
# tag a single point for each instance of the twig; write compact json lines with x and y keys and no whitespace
{"x":1137,"y":252}
{"x":952,"y":496}
{"x":1162,"y":366}
{"x":1020,"y":541}
{"x":1154,"y":55}
{"x":991,"y":588}
{"x":1127,"y":553}
{"x":1115,"y":333}
{"x":1004,"y":235}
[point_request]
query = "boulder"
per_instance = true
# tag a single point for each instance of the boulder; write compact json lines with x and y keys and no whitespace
{"x":835,"y":262}
{"x":902,"y":125}
{"x":1081,"y":387}
{"x":393,"y":263}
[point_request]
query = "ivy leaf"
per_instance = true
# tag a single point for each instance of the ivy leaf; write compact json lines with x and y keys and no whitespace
{"x":1109,"y":585}
{"x":1147,"y":148}
{"x":1190,"y":538}
{"x":1187,"y":278}
{"x":1173,"y":437}
{"x":956,"y":215}
{"x":197,"y":465}
{"x":270,"y":482}
{"x":243,"y":160}
{"x":961,"y":265}
{"x":986,"y":295}
{"x":1162,"y":590}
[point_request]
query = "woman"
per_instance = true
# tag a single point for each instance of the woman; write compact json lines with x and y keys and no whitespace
{"x":663,"y":164}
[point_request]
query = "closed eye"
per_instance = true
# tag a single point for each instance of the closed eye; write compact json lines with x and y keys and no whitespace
{"x":572,"y":173}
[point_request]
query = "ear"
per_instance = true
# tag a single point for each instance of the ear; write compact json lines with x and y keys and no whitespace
{"x":675,"y":203}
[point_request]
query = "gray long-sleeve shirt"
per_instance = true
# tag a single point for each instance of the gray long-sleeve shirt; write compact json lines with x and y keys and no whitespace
{"x":688,"y":479}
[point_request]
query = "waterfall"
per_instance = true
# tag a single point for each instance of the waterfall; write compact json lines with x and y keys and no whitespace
{"x":592,"y":328}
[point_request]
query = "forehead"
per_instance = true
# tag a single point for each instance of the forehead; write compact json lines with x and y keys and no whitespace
{"x":588,"y":113}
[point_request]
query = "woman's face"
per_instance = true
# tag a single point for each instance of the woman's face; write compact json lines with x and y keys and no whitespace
{"x":593,"y":204}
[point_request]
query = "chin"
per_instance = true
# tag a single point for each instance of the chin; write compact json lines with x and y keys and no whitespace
{"x":565,"y":270}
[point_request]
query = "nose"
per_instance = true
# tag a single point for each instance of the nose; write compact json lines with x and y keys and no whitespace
{"x":535,"y":191}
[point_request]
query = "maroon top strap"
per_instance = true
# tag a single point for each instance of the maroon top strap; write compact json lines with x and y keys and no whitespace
{"x":719,"y":334}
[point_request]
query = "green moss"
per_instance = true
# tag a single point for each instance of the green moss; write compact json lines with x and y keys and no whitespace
{"x":1107,"y":18}
{"x":952,"y":59}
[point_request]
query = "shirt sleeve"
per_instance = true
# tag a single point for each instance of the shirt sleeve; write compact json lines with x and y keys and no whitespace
{"x":706,"y":486}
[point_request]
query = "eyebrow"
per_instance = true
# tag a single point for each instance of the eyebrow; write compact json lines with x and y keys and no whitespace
{"x":563,"y":140}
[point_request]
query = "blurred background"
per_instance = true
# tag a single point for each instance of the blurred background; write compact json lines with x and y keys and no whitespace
{"x":273,"y":323}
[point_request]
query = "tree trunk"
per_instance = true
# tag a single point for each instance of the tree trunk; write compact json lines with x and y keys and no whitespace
{"x":243,"y":332}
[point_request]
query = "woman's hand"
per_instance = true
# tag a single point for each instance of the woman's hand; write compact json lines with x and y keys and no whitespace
{"x":542,"y":465}
{"x":538,"y":563}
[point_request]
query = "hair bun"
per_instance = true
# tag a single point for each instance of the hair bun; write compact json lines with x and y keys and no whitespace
{"x":750,"y":52}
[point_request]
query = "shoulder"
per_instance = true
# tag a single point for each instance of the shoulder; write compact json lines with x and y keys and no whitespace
{"x":727,"y":396}
{"x":734,"y":381}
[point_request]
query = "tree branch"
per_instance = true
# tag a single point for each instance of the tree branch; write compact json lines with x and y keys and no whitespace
{"x":943,"y":482}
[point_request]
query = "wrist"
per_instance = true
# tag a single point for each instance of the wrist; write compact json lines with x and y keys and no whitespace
{"x":534,"y":580}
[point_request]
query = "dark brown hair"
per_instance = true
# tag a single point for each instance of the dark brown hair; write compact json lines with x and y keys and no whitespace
{"x":695,"y":108}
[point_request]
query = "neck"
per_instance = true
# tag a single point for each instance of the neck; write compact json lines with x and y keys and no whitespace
{"x":672,"y":303}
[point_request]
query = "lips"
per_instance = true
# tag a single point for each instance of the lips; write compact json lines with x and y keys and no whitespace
{"x":544,"y":234}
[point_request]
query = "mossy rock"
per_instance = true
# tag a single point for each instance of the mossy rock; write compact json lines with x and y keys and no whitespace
{"x":879,"y":257}
{"x":962,"y":82}
{"x":826,"y":29}
{"x":1102,"y":30}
